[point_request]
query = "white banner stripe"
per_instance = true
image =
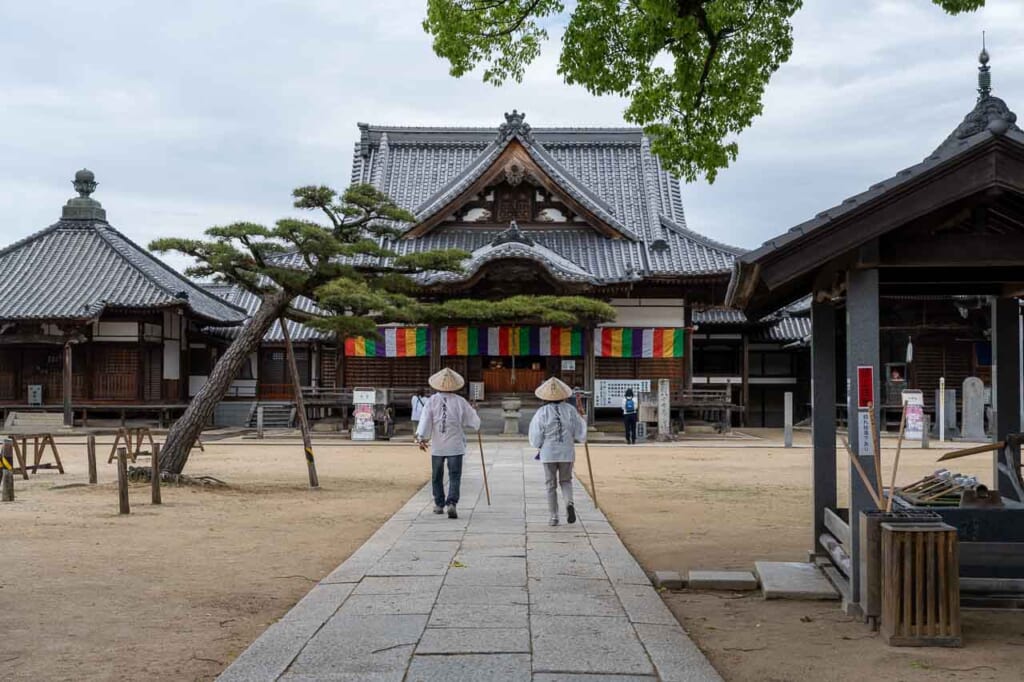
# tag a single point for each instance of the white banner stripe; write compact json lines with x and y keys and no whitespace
{"x":390,"y":345}
{"x":648,"y":345}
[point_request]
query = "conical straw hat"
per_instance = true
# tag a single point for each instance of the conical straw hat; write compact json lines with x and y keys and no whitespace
{"x":553,"y":390}
{"x":447,"y":380}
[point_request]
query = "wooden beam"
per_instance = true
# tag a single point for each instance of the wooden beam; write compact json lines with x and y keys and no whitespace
{"x":837,"y":526}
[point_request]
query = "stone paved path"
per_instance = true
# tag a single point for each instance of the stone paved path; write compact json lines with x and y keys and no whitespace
{"x":497,"y":594}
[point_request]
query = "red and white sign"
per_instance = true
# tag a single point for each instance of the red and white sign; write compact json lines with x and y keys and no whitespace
{"x":865,"y":386}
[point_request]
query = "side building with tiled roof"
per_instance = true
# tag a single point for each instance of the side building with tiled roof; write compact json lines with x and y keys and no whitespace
{"x":90,"y":321}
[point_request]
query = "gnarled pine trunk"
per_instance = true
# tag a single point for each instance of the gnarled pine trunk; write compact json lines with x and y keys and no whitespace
{"x":183,"y":434}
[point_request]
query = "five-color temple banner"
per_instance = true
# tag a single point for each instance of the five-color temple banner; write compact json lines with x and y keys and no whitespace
{"x":508,"y":341}
{"x":638,"y":342}
{"x":394,"y":342}
{"x":609,"y":342}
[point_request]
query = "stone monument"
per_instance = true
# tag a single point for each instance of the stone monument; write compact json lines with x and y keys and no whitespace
{"x":664,"y":410}
{"x":974,"y":410}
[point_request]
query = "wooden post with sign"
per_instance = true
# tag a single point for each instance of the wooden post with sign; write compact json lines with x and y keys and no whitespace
{"x":300,"y":407}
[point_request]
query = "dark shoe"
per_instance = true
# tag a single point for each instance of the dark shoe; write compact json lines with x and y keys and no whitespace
{"x":570,"y":513}
{"x":452,"y":514}
{"x":438,"y":509}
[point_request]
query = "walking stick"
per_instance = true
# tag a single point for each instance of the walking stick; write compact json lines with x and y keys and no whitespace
{"x":483,"y":465}
{"x":896,"y":462}
{"x":586,"y":448}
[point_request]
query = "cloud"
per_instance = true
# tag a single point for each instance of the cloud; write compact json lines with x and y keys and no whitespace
{"x":202,"y":113}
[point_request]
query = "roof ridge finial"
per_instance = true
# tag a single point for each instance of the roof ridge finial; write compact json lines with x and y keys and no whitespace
{"x":84,"y":207}
{"x":984,"y":75}
{"x":515,"y":124}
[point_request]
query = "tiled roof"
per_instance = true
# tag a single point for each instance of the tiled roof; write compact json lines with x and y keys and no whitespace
{"x":610,"y":170}
{"x":719,"y":316}
{"x":74,"y":269}
{"x":989,"y":119}
{"x":783,"y":330}
{"x":249,"y":301}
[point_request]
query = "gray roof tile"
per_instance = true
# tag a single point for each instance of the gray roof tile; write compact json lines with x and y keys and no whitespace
{"x":611,"y":169}
{"x":76,"y":268}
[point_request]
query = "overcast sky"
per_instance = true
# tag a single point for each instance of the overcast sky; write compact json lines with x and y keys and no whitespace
{"x":202,"y":112}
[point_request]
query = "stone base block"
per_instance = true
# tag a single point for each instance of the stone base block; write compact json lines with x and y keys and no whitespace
{"x":722,"y":580}
{"x":670,"y":580}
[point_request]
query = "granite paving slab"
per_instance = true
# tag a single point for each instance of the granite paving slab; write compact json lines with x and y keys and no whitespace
{"x":793,"y":580}
{"x":497,"y":594}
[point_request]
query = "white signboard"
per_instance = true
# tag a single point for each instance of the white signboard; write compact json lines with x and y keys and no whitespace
{"x":364,"y":396}
{"x":568,"y":365}
{"x":913,"y":402}
{"x":865,"y":438}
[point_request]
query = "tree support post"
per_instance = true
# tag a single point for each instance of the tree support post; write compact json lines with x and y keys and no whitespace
{"x":300,"y":407}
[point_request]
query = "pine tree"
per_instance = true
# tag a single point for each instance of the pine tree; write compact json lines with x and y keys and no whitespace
{"x":344,"y":268}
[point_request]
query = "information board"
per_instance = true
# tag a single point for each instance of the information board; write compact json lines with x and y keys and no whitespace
{"x":913,"y":403}
{"x":362,"y":414}
{"x":610,"y":392}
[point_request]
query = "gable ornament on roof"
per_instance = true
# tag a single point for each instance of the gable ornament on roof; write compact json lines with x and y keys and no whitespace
{"x":512,"y":234}
{"x":515,"y":125}
{"x":990,"y":113}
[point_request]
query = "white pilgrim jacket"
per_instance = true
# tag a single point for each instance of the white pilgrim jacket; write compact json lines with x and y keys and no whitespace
{"x":555,"y":429}
{"x":444,"y":421}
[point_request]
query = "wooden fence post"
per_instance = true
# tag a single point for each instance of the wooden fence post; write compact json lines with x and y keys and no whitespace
{"x":90,"y":452}
{"x":6,"y":485}
{"x":155,"y":478}
{"x":7,"y":471}
{"x":122,"y":481}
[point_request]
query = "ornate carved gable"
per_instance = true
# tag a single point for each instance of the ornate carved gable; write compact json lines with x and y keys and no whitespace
{"x":514,"y":188}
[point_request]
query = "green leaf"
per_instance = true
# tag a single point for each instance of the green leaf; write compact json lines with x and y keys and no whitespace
{"x":694,"y":71}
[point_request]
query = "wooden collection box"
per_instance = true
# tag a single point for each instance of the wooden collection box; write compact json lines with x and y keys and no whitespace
{"x":920,"y":585}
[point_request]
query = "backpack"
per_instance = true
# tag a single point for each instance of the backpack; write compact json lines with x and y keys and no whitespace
{"x":630,"y":406}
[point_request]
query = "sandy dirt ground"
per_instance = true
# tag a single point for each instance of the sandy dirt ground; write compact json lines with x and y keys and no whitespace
{"x":724,"y":504}
{"x":176,"y":592}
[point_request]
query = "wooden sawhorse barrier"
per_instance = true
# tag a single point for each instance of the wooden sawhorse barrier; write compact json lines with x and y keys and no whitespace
{"x":40,"y":441}
{"x":138,"y":433}
{"x":128,"y":433}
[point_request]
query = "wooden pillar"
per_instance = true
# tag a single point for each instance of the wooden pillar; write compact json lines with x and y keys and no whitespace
{"x":589,"y":370}
{"x":69,"y":415}
{"x":745,"y":378}
{"x":434,"y":332}
{"x":862,"y":348}
{"x":823,"y":414}
{"x":688,"y":342}
{"x":1006,"y":398}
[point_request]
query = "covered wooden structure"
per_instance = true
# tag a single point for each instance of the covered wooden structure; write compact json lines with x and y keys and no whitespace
{"x":950,"y":228}
{"x":91,"y":321}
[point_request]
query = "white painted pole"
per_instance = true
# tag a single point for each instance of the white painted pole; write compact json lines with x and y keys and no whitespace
{"x":942,"y":409}
{"x":788,"y":408}
{"x":259,"y":421}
